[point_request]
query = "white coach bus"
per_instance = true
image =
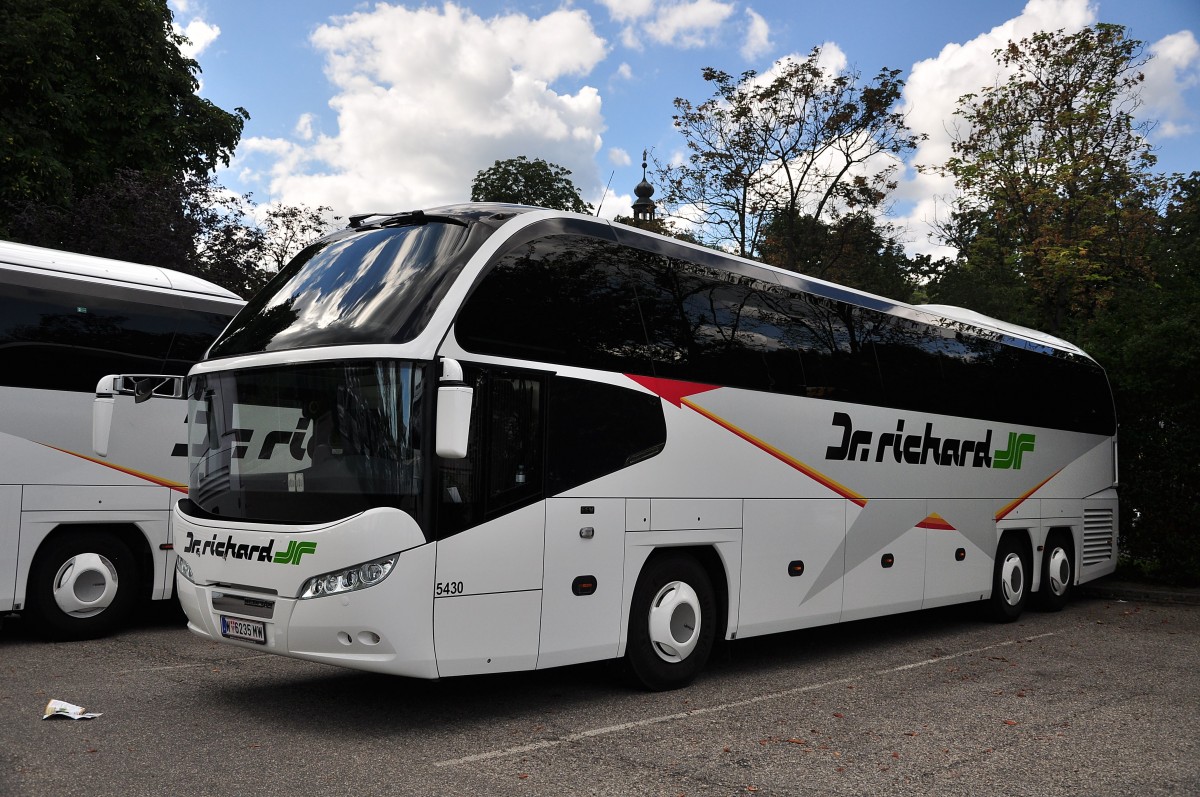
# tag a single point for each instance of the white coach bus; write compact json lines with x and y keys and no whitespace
{"x":84,"y":536}
{"x":491,"y":438}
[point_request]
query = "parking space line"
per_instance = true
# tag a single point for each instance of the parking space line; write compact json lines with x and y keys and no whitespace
{"x":699,"y":712}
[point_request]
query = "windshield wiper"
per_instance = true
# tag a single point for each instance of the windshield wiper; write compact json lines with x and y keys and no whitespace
{"x":408,"y":218}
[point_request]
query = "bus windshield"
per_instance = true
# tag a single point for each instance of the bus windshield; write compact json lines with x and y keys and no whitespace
{"x":363,"y":286}
{"x":306,"y":444}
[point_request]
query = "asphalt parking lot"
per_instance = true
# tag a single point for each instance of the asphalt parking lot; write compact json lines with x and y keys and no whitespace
{"x":1102,"y":698}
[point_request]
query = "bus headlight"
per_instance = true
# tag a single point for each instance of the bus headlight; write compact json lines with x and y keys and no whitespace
{"x":367,"y":574}
{"x":184,"y":569}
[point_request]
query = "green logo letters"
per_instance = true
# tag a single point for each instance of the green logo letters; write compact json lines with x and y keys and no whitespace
{"x":1018,"y":445}
{"x":294,"y":551}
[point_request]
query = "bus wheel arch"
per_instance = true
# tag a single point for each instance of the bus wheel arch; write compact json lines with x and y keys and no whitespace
{"x":675,"y":615}
{"x":85,"y":580}
{"x":1011,"y":576}
{"x":1058,"y":570}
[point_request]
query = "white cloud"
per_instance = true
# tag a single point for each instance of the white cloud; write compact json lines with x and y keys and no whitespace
{"x":625,"y":71}
{"x":199,"y":33}
{"x":1174,"y":68}
{"x":758,"y":36}
{"x":630,"y":40}
{"x":931,"y":95}
{"x":304,"y":127}
{"x":619,"y":157}
{"x":614,"y":205}
{"x":627,"y":10}
{"x":409,"y":135}
{"x":688,"y":24}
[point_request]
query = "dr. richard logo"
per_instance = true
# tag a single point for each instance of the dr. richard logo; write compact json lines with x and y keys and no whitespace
{"x":926,"y":448}
{"x":228,"y":549}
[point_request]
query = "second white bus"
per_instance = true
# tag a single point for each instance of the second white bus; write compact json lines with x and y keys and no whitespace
{"x":489,"y":438}
{"x":84,"y":535}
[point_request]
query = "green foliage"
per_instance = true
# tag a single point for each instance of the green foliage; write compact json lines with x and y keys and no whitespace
{"x":106,"y":149}
{"x":788,"y":144}
{"x":190,"y":225}
{"x":1055,"y":173}
{"x":657,"y":225}
{"x":91,"y":88}
{"x":528,"y":182}
{"x":1146,"y":338}
{"x":289,"y":228}
{"x":854,"y":250}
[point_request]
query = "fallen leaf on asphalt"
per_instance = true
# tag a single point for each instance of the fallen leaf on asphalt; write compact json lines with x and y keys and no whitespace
{"x":1011,"y":722}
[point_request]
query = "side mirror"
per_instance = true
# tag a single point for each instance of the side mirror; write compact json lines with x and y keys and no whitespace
{"x":454,"y":398}
{"x":141,"y":386}
{"x":102,"y":413}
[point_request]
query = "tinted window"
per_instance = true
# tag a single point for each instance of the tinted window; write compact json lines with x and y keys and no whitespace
{"x":588,"y":302}
{"x":597,"y":429}
{"x":366,"y":286}
{"x":61,"y":340}
{"x":306,"y":443}
{"x":564,"y":299}
{"x":194,"y":333}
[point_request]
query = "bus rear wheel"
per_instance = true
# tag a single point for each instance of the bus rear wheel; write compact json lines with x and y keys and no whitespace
{"x":1057,"y":577}
{"x":673,"y":623}
{"x":81,"y":585}
{"x":1010,"y":581}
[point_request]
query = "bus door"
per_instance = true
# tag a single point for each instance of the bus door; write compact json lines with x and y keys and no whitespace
{"x":491,"y":522}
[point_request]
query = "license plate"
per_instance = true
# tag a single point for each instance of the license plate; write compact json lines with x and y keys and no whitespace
{"x":248,"y":630}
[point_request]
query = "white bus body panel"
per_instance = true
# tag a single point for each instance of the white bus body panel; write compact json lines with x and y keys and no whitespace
{"x":492,"y":624}
{"x":385,"y":628}
{"x":48,"y":478}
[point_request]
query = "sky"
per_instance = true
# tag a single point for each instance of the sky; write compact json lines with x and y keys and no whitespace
{"x":393,"y":106}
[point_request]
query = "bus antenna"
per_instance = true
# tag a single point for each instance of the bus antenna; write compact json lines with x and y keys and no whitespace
{"x":605,"y":194}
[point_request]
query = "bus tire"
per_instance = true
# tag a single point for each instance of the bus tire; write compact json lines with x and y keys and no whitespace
{"x":81,"y":586}
{"x":1010,"y":580}
{"x":673,"y":623}
{"x":1057,"y":578}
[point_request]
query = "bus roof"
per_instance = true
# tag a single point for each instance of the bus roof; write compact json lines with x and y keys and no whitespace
{"x":89,"y":267}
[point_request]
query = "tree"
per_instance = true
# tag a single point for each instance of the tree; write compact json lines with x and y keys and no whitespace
{"x":854,"y":250}
{"x":796,"y":146}
{"x":94,"y":87}
{"x":1055,"y":172}
{"x":1146,"y":338}
{"x":289,"y":228}
{"x":528,"y":182}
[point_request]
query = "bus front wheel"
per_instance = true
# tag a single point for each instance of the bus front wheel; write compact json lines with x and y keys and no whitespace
{"x":81,"y":585}
{"x":1010,"y":580}
{"x":673,"y":623}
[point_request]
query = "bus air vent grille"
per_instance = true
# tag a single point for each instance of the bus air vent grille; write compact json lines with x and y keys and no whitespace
{"x":1097,"y":536}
